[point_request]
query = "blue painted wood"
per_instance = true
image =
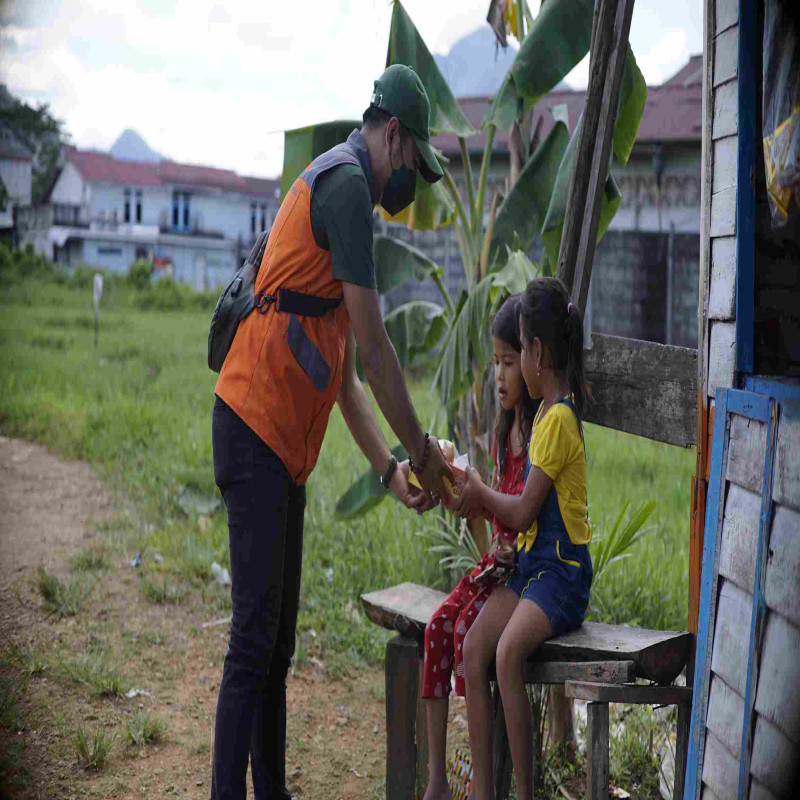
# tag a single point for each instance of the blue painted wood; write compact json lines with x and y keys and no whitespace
{"x":759,"y":616}
{"x":779,"y":388}
{"x":708,"y":597}
{"x":745,"y":190}
{"x":747,"y":404}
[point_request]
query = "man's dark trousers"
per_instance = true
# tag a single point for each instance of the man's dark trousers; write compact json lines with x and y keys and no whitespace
{"x":265,"y":527}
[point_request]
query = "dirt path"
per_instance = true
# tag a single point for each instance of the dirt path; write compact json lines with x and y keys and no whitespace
{"x":50,"y":511}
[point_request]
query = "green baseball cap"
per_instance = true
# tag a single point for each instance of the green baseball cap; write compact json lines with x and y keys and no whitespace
{"x":400,"y":92}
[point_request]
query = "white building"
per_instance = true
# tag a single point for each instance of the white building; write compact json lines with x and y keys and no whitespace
{"x":195,"y":223}
{"x":15,"y":172}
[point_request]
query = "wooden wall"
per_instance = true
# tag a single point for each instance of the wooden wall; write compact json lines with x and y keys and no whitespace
{"x":777,"y":702}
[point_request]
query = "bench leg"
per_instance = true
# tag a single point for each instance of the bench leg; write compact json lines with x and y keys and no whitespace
{"x":596,"y":751}
{"x":421,"y":737}
{"x":402,"y":689}
{"x":681,"y":749}
{"x":501,"y":754}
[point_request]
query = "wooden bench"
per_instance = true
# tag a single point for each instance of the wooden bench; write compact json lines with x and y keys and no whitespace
{"x":595,"y":655}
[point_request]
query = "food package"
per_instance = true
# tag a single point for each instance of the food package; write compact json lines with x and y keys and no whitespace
{"x":458,"y":462}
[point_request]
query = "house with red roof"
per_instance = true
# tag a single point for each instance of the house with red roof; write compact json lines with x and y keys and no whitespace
{"x":194,"y":222}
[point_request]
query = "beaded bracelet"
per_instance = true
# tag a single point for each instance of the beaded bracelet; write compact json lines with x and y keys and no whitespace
{"x":417,"y":470}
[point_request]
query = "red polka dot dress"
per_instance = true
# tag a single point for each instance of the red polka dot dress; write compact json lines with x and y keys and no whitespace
{"x":445,"y":633}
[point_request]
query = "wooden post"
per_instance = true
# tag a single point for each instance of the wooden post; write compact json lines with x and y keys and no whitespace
{"x":681,"y":749}
{"x":596,"y":751}
{"x":501,"y":757}
{"x":402,"y":679}
{"x":421,"y":737}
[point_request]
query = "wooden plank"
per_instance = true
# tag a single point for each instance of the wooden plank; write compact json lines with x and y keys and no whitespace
{"x":786,"y":482}
{"x":558,"y":672}
{"x":778,"y":699}
{"x":732,"y":636}
{"x":721,"y":356}
{"x":643,"y":388}
{"x":760,"y":792}
{"x":708,"y":794}
{"x":739,"y":545}
{"x":501,"y":756}
{"x":723,"y":212}
{"x":658,"y":655}
{"x":726,"y":110}
{"x":774,"y":760}
{"x":401,"y":673}
{"x":633,"y":694}
{"x":725,"y":153}
{"x":596,"y":751}
{"x":783,"y":566}
{"x":727,"y":14}
{"x":726,"y":55}
{"x":610,"y":28}
{"x":720,"y":769}
{"x":725,"y":715}
{"x":746,"y":452}
{"x":421,"y":736}
{"x":681,"y":749}
{"x":723,"y":278}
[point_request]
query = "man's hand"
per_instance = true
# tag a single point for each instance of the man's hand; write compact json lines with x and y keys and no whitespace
{"x":409,"y":496}
{"x":436,"y":469}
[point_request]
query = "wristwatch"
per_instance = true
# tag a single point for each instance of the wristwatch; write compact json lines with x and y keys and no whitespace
{"x":387,"y":476}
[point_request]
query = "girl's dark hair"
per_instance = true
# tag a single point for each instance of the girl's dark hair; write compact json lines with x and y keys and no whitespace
{"x":506,"y":328}
{"x":547,"y":312}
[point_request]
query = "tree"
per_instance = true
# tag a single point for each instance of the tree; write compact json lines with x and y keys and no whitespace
{"x":36,"y":129}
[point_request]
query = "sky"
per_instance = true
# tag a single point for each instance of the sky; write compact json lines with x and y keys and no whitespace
{"x":216,"y":83}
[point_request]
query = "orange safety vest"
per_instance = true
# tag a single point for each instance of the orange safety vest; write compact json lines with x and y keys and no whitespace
{"x":283,"y":372}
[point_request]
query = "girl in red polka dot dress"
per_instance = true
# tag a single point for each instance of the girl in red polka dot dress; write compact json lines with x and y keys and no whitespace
{"x":444,"y":635}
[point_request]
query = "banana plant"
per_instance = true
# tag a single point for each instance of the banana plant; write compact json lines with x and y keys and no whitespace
{"x":493,"y":245}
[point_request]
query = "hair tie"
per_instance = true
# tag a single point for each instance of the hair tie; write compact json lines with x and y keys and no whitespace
{"x":569,"y":308}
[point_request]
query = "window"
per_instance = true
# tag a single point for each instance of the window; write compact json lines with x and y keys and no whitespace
{"x":127,"y":205}
{"x":263,"y":217}
{"x":139,"y":206}
{"x":253,"y":218}
{"x":109,"y":251}
{"x":175,"y":213}
{"x":186,"y":212}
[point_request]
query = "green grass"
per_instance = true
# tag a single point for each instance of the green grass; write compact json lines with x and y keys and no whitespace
{"x":139,"y":408}
{"x":62,"y":598}
{"x":94,"y":669}
{"x":92,"y":750}
{"x":143,"y":728}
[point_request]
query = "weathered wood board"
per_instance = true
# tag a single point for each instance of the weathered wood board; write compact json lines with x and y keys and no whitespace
{"x":746,"y":451}
{"x":732,"y":636}
{"x":720,"y":768}
{"x":722,"y":293}
{"x":725,"y":715}
{"x":721,"y":356}
{"x":636,"y":694}
{"x":643,"y":388}
{"x":726,"y":55}
{"x":727,"y":14}
{"x":760,"y":792}
{"x":778,"y":698}
{"x":658,"y":655}
{"x":725,"y":151}
{"x":786,"y":480}
{"x":558,"y":672}
{"x":783,"y":565}
{"x":723,"y":212}
{"x":726,"y":111}
{"x":739,"y":545}
{"x":774,"y":760}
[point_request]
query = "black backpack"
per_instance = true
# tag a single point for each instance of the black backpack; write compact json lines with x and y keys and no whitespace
{"x":235,"y":303}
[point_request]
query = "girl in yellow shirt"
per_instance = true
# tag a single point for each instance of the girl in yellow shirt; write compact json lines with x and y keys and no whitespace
{"x":553,"y":570}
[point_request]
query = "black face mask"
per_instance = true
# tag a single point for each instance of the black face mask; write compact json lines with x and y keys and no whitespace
{"x":400,"y":189}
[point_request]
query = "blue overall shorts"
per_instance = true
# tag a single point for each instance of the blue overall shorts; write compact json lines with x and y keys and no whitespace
{"x":555,"y":573}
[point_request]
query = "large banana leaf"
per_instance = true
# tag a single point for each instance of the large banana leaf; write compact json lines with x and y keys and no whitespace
{"x":302,"y":145}
{"x":520,"y":217}
{"x":513,"y":277}
{"x":554,"y":221}
{"x":407,"y":47}
{"x":396,"y":262}
{"x":432,"y":208}
{"x":632,"y":98}
{"x":366,"y":492}
{"x":415,"y":328}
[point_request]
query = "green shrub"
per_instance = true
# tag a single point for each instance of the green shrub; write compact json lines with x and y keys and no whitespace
{"x":143,"y":729}
{"x":163,"y":295}
{"x":93,"y":754}
{"x":16,"y":265}
{"x":139,"y":274}
{"x":62,"y":599}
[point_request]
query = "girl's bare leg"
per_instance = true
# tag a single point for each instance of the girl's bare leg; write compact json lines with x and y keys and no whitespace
{"x":479,"y":650}
{"x":525,"y":631}
{"x":436,"y":714}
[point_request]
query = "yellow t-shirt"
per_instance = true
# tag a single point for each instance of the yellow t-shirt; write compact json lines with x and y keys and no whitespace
{"x":557,"y":449}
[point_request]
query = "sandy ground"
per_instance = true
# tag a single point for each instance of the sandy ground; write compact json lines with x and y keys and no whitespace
{"x":49,"y":510}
